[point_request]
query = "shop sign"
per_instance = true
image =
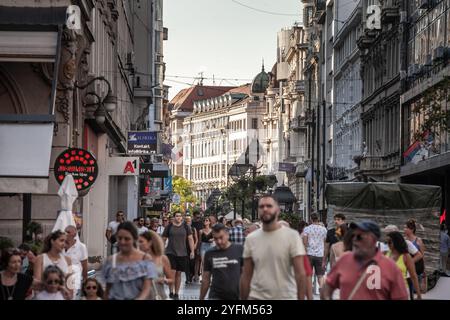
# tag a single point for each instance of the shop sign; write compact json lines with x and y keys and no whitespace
{"x":79,"y":163}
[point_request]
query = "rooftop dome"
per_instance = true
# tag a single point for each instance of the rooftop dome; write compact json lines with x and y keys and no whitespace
{"x":261,"y":82}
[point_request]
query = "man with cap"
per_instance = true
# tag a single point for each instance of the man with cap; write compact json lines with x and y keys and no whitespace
{"x":365,"y":273}
{"x":237,"y":232}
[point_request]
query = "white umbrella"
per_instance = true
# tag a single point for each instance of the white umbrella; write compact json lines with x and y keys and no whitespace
{"x":68,"y":194}
{"x":230,"y":216}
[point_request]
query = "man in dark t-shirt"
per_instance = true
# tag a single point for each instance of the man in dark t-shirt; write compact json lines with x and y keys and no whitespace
{"x":224,"y":264}
{"x":179,"y":235}
{"x":197,"y":223}
{"x":331,"y":238}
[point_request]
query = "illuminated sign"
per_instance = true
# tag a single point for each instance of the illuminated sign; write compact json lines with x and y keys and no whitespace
{"x":79,"y":163}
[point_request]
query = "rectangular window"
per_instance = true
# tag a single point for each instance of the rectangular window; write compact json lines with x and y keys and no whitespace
{"x":254,"y":123}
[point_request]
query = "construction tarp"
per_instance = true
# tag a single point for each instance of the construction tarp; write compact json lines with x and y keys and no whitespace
{"x":391,"y":204}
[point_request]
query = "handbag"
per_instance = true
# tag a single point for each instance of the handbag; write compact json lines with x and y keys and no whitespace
{"x":155,"y":290}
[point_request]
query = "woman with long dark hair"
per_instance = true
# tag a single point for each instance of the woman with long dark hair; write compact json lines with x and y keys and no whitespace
{"x":398,"y":251}
{"x":338,"y":249}
{"x":128,"y":273}
{"x":53,"y":255}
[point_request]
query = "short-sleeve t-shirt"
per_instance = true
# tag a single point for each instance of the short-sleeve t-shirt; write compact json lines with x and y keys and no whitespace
{"x":142,"y":230}
{"x":384,"y":280}
{"x":316,"y":237}
{"x":177,"y":239}
{"x":19,"y":291}
{"x":272,"y":253}
{"x":225,"y":267}
{"x":331,"y":237}
{"x":77,"y":253}
{"x":113,"y":225}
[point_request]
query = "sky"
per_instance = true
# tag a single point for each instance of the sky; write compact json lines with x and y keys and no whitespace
{"x":223,"y":38}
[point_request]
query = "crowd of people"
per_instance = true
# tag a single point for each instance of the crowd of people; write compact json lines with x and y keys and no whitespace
{"x":232,"y":260}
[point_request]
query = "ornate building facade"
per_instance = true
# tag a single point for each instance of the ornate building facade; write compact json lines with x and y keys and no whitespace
{"x":70,"y":70}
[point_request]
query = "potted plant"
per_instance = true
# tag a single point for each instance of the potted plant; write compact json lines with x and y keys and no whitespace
{"x":6,"y":243}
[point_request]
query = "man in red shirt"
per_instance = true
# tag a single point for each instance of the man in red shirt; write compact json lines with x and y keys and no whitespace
{"x":365,"y":273}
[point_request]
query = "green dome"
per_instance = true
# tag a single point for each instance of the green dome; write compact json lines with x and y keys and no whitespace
{"x":261,"y":82}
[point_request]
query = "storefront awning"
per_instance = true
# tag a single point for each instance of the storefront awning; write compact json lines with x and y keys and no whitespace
{"x":30,"y":34}
{"x":25,"y":157}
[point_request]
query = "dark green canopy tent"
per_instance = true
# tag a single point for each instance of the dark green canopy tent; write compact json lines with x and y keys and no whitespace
{"x":391,"y":204}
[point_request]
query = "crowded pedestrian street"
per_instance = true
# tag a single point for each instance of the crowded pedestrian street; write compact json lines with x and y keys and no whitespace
{"x":245,"y":154}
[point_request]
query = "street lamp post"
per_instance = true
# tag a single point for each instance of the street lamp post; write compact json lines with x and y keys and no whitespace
{"x":105,"y":104}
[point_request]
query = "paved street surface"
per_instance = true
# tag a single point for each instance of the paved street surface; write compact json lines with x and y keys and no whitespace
{"x":440,"y":292}
{"x":192,"y":291}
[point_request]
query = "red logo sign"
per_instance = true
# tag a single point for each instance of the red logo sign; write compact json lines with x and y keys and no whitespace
{"x":80,"y":163}
{"x":129,"y":168}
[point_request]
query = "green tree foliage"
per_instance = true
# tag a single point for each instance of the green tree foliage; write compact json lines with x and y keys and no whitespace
{"x":183,"y":187}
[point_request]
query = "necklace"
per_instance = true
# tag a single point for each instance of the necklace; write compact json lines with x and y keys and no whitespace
{"x":8,"y":294}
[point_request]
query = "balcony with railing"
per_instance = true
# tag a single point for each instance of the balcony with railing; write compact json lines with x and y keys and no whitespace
{"x":298,"y":124}
{"x":379,"y":163}
{"x":297,"y":86}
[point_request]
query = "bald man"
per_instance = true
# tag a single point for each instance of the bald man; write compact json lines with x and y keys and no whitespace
{"x":77,"y":252}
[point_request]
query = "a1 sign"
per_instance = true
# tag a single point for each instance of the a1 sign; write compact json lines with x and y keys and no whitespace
{"x":130,"y":167}
{"x":123,"y":166}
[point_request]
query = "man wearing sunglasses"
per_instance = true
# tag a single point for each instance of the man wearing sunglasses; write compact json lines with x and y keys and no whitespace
{"x":365,"y":273}
{"x":273,"y":259}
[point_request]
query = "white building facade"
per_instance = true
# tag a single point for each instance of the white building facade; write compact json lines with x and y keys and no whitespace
{"x":347,"y":123}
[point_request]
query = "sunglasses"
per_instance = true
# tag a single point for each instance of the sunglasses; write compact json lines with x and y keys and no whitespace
{"x":50,"y":282}
{"x":389,"y":241}
{"x":261,"y":206}
{"x":165,"y":220}
{"x":91,"y":287}
{"x":358,"y":237}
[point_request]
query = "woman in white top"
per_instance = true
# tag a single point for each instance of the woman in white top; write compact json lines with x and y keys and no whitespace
{"x":53,"y":284}
{"x":52,"y":255}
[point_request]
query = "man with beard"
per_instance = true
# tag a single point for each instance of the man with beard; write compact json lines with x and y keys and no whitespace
{"x":273,"y":258}
{"x":365,"y":273}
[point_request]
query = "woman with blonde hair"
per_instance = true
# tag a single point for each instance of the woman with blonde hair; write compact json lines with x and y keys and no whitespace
{"x":151,"y":243}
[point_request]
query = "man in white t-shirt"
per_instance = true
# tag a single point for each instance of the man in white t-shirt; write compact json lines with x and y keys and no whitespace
{"x":141,"y":226}
{"x":112,"y":229}
{"x":314,"y":237}
{"x":78,"y":254}
{"x":273,"y":259}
